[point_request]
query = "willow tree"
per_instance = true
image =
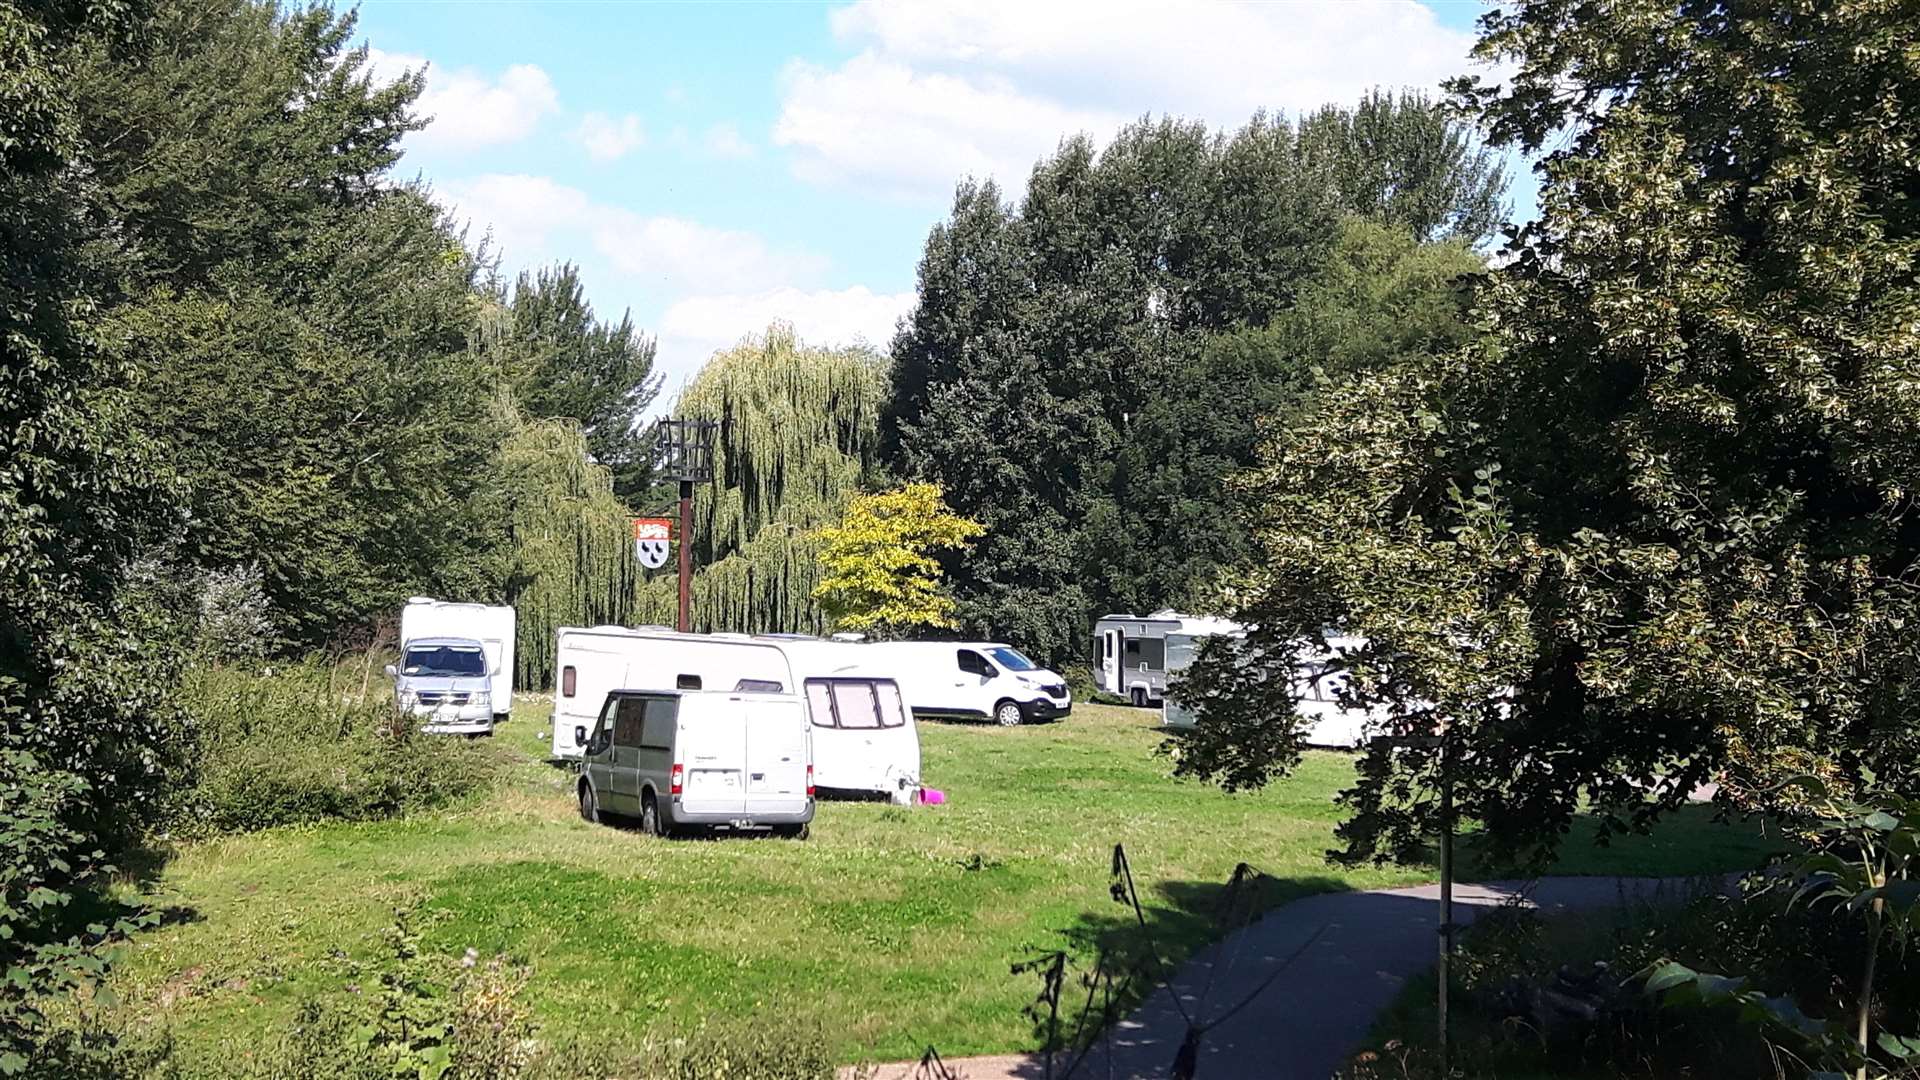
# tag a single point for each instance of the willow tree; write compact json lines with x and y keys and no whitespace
{"x":569,"y":560}
{"x":798,"y":428}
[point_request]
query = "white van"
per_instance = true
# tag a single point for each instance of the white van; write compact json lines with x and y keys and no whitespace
{"x":973,"y":680}
{"x":864,"y":739}
{"x":492,"y":627}
{"x":699,"y":759}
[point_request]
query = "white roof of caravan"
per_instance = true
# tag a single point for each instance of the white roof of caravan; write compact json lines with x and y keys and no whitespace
{"x":1197,"y":625}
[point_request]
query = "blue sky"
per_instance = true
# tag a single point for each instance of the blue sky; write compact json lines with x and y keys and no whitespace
{"x":714,"y":166}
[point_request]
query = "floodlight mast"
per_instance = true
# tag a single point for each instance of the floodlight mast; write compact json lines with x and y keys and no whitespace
{"x":685,"y":448}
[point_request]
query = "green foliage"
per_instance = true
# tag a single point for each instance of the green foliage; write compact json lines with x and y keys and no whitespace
{"x":1655,"y":529}
{"x":312,"y":742}
{"x":87,"y":647}
{"x":1084,"y":367}
{"x":876,"y":571}
{"x":797,"y":435}
{"x":571,"y":559}
{"x":564,"y":362}
{"x":1403,"y":162}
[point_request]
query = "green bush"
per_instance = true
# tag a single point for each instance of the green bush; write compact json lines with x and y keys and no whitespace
{"x":312,"y":742}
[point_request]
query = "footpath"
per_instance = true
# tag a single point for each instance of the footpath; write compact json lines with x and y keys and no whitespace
{"x":1313,"y":1017}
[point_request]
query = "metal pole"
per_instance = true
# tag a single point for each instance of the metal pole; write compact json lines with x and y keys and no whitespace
{"x":685,"y":623}
{"x":1446,"y":900}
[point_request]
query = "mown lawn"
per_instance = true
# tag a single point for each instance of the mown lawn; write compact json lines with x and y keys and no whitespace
{"x":893,"y":928}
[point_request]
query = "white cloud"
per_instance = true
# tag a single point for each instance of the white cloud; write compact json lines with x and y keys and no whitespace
{"x":675,"y":253}
{"x":469,"y":109}
{"x":944,"y":88}
{"x":607,"y":138}
{"x":692,"y":329}
{"x":522,"y":212}
{"x":725,"y":141}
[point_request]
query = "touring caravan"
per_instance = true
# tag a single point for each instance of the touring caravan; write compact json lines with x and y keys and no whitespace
{"x":1315,"y":683}
{"x":456,"y":665}
{"x":699,"y":759}
{"x":1130,"y":651}
{"x":864,"y":739}
{"x":973,"y":680}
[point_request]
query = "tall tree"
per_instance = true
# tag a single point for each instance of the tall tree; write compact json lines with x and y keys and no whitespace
{"x":1658,"y":528}
{"x":299,"y":323}
{"x":1168,"y":531}
{"x":797,"y":437}
{"x":1400,"y":160}
{"x":1046,"y":333}
{"x":565,"y":362}
{"x":85,"y":660}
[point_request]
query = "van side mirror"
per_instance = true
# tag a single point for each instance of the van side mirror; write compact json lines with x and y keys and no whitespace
{"x":392,"y":671}
{"x":579,"y":736}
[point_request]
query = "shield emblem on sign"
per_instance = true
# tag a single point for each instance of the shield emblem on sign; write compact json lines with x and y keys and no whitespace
{"x":651,"y":553}
{"x":652,"y":540}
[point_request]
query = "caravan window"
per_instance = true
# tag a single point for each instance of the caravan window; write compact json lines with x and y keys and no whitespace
{"x":567,"y":678}
{"x":757,"y":686}
{"x":686,"y":682}
{"x":1149,"y":653}
{"x":853,"y":705}
{"x":820,"y":703}
{"x":892,"y":712}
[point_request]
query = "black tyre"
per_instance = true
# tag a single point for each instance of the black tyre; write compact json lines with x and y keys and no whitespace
{"x":589,"y":806}
{"x":792,"y":832}
{"x":1139,"y":697}
{"x":650,"y":822}
{"x":1008,"y":714}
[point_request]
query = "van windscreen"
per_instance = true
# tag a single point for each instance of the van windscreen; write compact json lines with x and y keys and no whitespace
{"x":445,"y":660}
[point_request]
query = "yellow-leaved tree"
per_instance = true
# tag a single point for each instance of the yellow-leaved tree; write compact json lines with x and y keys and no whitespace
{"x":878,"y":575}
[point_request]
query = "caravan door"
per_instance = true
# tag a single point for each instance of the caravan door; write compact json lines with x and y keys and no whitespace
{"x":1110,"y":661}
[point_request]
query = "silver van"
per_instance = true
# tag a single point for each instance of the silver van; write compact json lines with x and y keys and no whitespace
{"x":690,"y":759}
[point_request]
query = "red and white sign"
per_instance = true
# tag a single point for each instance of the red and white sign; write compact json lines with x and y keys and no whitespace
{"x":652,"y":541}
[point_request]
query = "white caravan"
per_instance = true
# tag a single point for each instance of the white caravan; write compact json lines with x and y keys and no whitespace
{"x":864,"y":737}
{"x":1315,"y":685}
{"x":973,"y":680}
{"x":1130,"y":651}
{"x":456,"y":665}
{"x":864,"y":740}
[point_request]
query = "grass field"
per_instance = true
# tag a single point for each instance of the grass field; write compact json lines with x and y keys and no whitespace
{"x":893,"y":928}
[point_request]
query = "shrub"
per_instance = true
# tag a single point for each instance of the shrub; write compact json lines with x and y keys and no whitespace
{"x":312,"y":742}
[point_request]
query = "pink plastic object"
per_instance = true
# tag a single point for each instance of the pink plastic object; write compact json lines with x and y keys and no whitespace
{"x":932,"y":796}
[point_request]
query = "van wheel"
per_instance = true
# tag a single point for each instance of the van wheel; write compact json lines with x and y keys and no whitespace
{"x":1007,"y":714}
{"x":792,"y":832}
{"x":1139,"y":697}
{"x":650,"y":817}
{"x":589,"y":806}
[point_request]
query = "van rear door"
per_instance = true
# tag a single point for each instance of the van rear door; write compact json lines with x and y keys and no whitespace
{"x":777,"y":756}
{"x":712,"y":748}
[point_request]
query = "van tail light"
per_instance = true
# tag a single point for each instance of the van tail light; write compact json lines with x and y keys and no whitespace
{"x":679,"y":774}
{"x":809,"y":779}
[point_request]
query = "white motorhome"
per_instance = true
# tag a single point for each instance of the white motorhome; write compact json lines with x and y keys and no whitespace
{"x":456,"y":665}
{"x":864,"y":739}
{"x":1315,"y":684}
{"x":973,"y":680}
{"x":1130,"y":651}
